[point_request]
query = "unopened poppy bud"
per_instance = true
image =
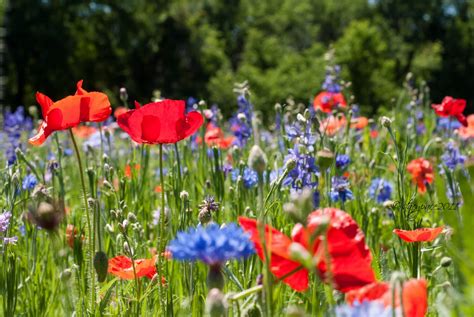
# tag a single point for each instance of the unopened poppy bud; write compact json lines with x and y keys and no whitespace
{"x":385,"y":121}
{"x":446,"y":261}
{"x":300,"y":118}
{"x":216,"y":305}
{"x":46,"y":216}
{"x":257,"y":159}
{"x":110,"y":228}
{"x":65,"y":275}
{"x":295,"y":311}
{"x":290,"y":164}
{"x":101,"y":264}
{"x":33,"y":111}
{"x":123,"y":94}
{"x":215,"y":278}
{"x":389,"y":204}
{"x":300,"y":255}
{"x":90,"y":202}
{"x":126,"y":248}
{"x":131,"y":217}
{"x":325,"y":158}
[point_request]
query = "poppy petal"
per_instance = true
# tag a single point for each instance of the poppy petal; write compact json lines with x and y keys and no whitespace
{"x":419,"y":235}
{"x":277,"y":244}
{"x":45,"y":102}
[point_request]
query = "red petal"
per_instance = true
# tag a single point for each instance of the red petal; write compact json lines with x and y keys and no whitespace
{"x":350,"y":257}
{"x":278,"y":244}
{"x":369,"y":292}
{"x":45,"y":102}
{"x":419,"y":235}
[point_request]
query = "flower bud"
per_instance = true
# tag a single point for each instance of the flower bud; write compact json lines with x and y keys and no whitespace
{"x":215,"y":278}
{"x":131,"y":217}
{"x":325,"y":158}
{"x":446,"y":261}
{"x":257,"y":159}
{"x":101,"y":264}
{"x":184,"y":195}
{"x":385,"y":121}
{"x":300,"y":118}
{"x":290,"y":164}
{"x":204,"y":216}
{"x":65,"y":275}
{"x":216,"y":305}
{"x":123,"y":94}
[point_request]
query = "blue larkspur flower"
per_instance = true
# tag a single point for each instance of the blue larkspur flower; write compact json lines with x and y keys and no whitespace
{"x":242,"y":129}
{"x":452,"y":157}
{"x":4,"y":224}
{"x":330,"y":83}
{"x":447,"y":124}
{"x":342,"y":161}
{"x":380,"y":190}
{"x":340,"y":189}
{"x":212,"y":244}
{"x":366,"y":309}
{"x":14,"y":123}
{"x":29,"y":182}
{"x":305,"y":172}
{"x":249,"y":177}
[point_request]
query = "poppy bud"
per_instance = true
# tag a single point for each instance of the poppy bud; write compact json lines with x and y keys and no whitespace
{"x":446,"y":261}
{"x":123,"y":94}
{"x":127,"y":248}
{"x":65,"y":275}
{"x":46,"y":215}
{"x":295,"y":311}
{"x":257,"y":159}
{"x":290,"y":164}
{"x":300,"y":118}
{"x":325,"y":158}
{"x":300,"y":255}
{"x":386,"y":122}
{"x":101,"y":264}
{"x":90,"y":202}
{"x":131,"y":217}
{"x":216,"y":304}
{"x":184,"y":195}
{"x":215,"y":278}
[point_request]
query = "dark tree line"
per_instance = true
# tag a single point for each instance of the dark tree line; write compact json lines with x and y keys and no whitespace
{"x":201,"y":47}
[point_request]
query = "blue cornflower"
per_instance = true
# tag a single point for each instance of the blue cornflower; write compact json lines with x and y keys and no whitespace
{"x":380,"y":189}
{"x":29,"y":182}
{"x":211,"y":244}
{"x":305,"y":171}
{"x":452,"y":157}
{"x":366,"y":309}
{"x":249,"y":177}
{"x":4,"y":224}
{"x":305,"y":136}
{"x":342,"y":161}
{"x":340,"y":189}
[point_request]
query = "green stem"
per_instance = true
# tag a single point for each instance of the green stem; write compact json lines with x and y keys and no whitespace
{"x":161,"y":262}
{"x":89,"y":227}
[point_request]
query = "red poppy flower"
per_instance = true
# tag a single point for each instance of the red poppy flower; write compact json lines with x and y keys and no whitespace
{"x":421,"y":172}
{"x":326,"y":101}
{"x":332,"y":124}
{"x":414,"y":296}
{"x":278,"y":246}
{"x":160,"y":122}
{"x":71,"y":235}
{"x":467,"y":132}
{"x":359,"y":123}
{"x":350,"y":258}
{"x":122,"y":267}
{"x":119,"y":111}
{"x":214,"y":136}
{"x":419,"y":235}
{"x":128,"y":170}
{"x":451,"y":107}
{"x":70,"y":111}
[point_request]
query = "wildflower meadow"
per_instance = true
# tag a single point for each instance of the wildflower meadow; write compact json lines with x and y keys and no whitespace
{"x":170,"y":208}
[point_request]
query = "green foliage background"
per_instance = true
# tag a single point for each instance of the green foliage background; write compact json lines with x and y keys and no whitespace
{"x":201,"y":47}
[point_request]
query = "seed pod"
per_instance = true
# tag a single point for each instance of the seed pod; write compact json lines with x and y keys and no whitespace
{"x":101,"y":264}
